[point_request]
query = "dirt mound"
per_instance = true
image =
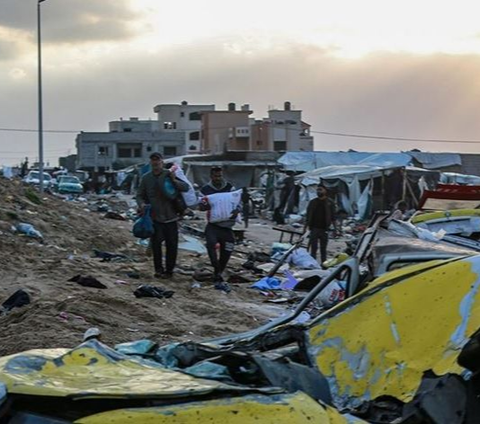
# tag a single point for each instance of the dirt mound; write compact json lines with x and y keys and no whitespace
{"x":61,"y":311}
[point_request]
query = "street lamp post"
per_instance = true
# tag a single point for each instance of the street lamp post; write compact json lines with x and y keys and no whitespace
{"x":40,"y":110}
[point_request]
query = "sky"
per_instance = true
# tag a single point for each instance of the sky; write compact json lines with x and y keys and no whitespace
{"x":389,"y":68}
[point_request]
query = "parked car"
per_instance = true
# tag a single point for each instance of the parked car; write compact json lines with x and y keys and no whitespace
{"x":68,"y":184}
{"x":33,"y":177}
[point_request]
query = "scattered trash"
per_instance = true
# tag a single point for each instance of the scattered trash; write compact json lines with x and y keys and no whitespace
{"x":238,"y":279}
{"x":29,"y":230}
{"x":133,"y":274}
{"x":290,"y":282}
{"x":302,"y":259}
{"x":202,"y":275}
{"x":121,"y":282}
{"x":88,"y":281}
{"x":115,"y":215}
{"x":192,"y":245}
{"x":223,"y":287}
{"x":143,"y":226}
{"x":146,"y":290}
{"x":333,"y":293}
{"x":92,"y":333}
{"x":196,"y":285}
{"x":107,"y":256}
{"x":267,"y":283}
{"x":16,"y":300}
{"x":138,"y":347}
{"x":65,"y":316}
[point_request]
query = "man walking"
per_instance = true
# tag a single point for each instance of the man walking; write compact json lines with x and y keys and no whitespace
{"x":320,"y":215}
{"x":153,"y":191}
{"x":219,"y":232}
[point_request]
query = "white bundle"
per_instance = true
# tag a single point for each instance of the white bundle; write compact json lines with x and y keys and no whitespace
{"x":222,"y":205}
{"x":189,"y":196}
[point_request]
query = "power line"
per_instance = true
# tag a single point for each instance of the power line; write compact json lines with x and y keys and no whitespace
{"x":331,"y":133}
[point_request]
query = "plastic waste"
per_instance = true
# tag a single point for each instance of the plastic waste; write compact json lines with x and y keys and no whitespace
{"x":189,"y":196}
{"x":192,"y":245}
{"x":143,"y":226}
{"x":138,"y":347}
{"x":267,"y":283}
{"x":29,"y":230}
{"x":222,"y":205}
{"x":290,"y":282}
{"x":333,"y":293}
{"x":302,"y":259}
{"x":147,"y":290}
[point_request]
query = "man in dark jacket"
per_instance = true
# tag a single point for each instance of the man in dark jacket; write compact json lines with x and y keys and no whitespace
{"x":320,"y":215}
{"x":219,"y":232}
{"x":153,"y":191}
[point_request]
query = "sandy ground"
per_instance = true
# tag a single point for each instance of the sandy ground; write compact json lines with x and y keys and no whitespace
{"x":61,"y":311}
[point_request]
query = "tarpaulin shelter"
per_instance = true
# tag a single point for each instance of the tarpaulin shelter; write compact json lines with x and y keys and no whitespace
{"x":308,"y":161}
{"x":361,"y":188}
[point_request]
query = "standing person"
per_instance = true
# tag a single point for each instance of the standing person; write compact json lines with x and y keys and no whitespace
{"x":152,"y":192}
{"x":219,"y":232}
{"x":246,"y":200}
{"x":320,"y":215}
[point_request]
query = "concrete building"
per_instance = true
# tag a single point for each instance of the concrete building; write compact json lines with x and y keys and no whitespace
{"x":185,"y":118}
{"x":287,"y":131}
{"x":128,"y":142}
{"x":226,"y":130}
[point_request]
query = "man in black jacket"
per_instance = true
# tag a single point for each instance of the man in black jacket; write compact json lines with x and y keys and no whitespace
{"x":320,"y":215}
{"x":153,"y":191}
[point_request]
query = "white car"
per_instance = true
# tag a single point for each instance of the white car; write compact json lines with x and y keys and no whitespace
{"x":33,"y":177}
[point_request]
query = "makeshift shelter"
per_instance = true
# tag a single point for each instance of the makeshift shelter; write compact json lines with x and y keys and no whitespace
{"x":308,"y":161}
{"x":360,"y":189}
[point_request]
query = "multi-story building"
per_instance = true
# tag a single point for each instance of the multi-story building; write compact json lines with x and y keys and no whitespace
{"x":185,"y":118}
{"x":128,"y":142}
{"x":226,"y":130}
{"x":283,"y":130}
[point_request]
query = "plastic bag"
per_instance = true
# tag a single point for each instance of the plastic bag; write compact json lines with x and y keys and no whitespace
{"x":302,"y":259}
{"x":189,"y":196}
{"x":333,"y":293}
{"x":222,"y":205}
{"x":143,"y":227}
{"x":29,"y":230}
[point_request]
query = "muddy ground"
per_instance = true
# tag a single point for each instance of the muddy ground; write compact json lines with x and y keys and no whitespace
{"x":61,"y":311}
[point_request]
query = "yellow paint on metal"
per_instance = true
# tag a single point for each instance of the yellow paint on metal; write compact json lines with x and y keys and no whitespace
{"x":444,"y":215}
{"x":295,"y":408}
{"x":382,"y":340}
{"x":94,"y":370}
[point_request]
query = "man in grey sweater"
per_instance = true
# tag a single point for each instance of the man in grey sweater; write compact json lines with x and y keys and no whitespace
{"x":154,"y":190}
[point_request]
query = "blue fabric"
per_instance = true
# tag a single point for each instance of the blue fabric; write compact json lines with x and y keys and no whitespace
{"x":143,"y":227}
{"x":267,"y":283}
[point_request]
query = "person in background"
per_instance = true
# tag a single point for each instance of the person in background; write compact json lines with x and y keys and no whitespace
{"x":219,"y":232}
{"x":320,"y":215}
{"x":152,"y":192}
{"x":400,"y":210}
{"x":246,"y":201}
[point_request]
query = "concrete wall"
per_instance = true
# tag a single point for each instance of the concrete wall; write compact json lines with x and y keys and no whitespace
{"x":216,"y":126}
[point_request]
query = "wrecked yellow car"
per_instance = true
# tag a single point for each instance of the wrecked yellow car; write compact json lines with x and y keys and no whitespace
{"x":403,"y":348}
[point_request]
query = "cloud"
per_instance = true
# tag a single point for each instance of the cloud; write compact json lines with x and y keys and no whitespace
{"x":71,"y":21}
{"x":404,"y":95}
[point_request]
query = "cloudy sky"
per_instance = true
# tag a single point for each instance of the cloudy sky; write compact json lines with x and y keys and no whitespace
{"x":394,"y":68}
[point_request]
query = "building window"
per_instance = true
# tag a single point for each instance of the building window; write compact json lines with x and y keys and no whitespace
{"x":194,"y":136}
{"x":182,"y":114}
{"x":149,"y":148}
{"x":169,"y":125}
{"x":127,"y":130}
{"x":279,"y":146}
{"x":170,"y":151}
{"x":129,"y":150}
{"x":193,"y":147}
{"x":103,"y":151}
{"x":259,"y":142}
{"x":195,"y":116}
